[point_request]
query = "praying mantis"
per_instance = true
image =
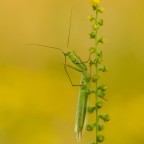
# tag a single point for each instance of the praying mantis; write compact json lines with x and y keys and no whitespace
{"x":84,"y":91}
{"x":85,"y":85}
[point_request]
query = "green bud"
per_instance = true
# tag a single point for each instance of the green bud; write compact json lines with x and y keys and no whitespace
{"x":101,"y":40}
{"x":90,"y":127}
{"x":100,"y":126}
{"x":100,"y":60}
{"x":92,"y":50}
{"x":103,"y":69}
{"x":99,"y":56}
{"x":92,"y":35}
{"x":99,"y":53}
{"x":91,"y":62}
{"x":91,"y":18}
{"x":95,"y":27}
{"x":100,"y":138}
{"x":100,"y":22}
{"x":102,"y":87}
{"x":101,"y":10}
{"x":91,"y":109}
{"x":101,"y":93}
{"x":95,"y":78}
{"x":94,"y":7}
{"x":105,"y":117}
{"x":99,"y":104}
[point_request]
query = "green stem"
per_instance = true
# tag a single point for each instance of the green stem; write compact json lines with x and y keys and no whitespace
{"x":96,"y":67}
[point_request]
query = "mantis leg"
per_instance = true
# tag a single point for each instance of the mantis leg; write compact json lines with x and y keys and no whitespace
{"x":65,"y":67}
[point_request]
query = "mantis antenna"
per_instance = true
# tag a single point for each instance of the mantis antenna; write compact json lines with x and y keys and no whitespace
{"x":69,"y":29}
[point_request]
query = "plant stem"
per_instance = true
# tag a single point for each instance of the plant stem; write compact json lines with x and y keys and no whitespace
{"x":96,"y":67}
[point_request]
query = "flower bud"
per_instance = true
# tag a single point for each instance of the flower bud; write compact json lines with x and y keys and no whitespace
{"x":91,"y":62}
{"x":100,"y":138}
{"x":99,"y":53}
{"x":91,"y":18}
{"x":101,"y":93}
{"x":91,"y":109}
{"x":101,"y":10}
{"x":99,"y":104}
{"x":94,"y":7}
{"x":100,"y":22}
{"x":105,"y":117}
{"x":100,"y":126}
{"x":102,"y":87}
{"x":92,"y":35}
{"x":95,"y":78}
{"x":101,"y":40}
{"x":90,"y":127}
{"x":95,"y":27}
{"x":92,"y":50}
{"x":100,"y":59}
{"x":103,"y":69}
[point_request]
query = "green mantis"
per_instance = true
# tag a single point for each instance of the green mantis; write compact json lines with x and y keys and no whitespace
{"x":84,"y":91}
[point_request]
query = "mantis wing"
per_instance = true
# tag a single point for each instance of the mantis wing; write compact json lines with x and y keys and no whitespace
{"x":81,"y":111}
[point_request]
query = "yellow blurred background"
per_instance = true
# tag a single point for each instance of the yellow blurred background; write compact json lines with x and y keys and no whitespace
{"x":37,"y":101}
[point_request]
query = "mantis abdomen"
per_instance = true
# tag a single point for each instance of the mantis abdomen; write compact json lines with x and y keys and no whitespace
{"x":81,"y":111}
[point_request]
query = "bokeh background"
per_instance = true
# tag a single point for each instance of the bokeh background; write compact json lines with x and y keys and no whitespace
{"x":37,"y":102}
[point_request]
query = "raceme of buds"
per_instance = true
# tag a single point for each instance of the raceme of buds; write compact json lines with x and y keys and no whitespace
{"x":95,"y":60}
